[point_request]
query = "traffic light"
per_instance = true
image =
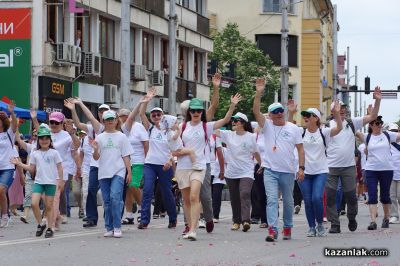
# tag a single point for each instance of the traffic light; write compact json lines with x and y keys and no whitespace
{"x":367,"y":85}
{"x":353,"y":88}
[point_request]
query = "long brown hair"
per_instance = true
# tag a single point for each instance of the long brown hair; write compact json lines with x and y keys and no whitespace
{"x":4,"y":119}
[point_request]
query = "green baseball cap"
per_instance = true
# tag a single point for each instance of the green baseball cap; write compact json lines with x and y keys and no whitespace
{"x":43,"y":131}
{"x":196,"y":104}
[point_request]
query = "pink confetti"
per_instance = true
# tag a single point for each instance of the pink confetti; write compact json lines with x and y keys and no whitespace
{"x":211,"y":244}
{"x":292,"y":255}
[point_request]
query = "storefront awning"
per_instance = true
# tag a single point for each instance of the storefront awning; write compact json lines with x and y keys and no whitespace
{"x":23,"y":113}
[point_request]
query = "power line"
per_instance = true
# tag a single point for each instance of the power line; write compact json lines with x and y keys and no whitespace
{"x":265,"y":21}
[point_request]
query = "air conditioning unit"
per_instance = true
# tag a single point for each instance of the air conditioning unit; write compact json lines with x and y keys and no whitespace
{"x":110,"y":93}
{"x":138,"y":72}
{"x":92,"y":64}
{"x":63,"y":53}
{"x":157,"y":78}
{"x":164,"y":104}
{"x":76,"y":55}
{"x":207,"y":105}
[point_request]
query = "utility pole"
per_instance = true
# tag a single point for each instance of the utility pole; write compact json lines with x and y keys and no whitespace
{"x":284,"y":54}
{"x":355,"y":94}
{"x":125,"y":53}
{"x":172,"y":58}
{"x":346,"y":98}
{"x":335,"y":40}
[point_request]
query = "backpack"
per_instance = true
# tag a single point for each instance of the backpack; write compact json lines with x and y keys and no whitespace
{"x":394,"y":144}
{"x":205,"y":133}
{"x":322,"y":136}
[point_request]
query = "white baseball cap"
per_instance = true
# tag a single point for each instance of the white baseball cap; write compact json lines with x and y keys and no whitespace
{"x":185,"y":106}
{"x":313,"y":111}
{"x":156,"y":109}
{"x":275,"y":106}
{"x":104,"y":106}
{"x":392,"y":126}
{"x":123,"y":112}
{"x":109,"y":114}
{"x":241,"y":116}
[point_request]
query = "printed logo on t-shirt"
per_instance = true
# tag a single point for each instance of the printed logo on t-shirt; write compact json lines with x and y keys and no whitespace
{"x":312,"y":139}
{"x":4,"y":138}
{"x":285,"y":135}
{"x":109,"y":144}
{"x":244,"y":146}
{"x":196,"y":134}
{"x":158,"y":136}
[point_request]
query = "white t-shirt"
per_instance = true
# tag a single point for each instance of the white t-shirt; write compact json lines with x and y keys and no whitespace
{"x":93,"y":135}
{"x":62,"y":142}
{"x":260,"y":145}
{"x":379,"y":152}
{"x":286,"y":138}
{"x":46,"y":166}
{"x":361,"y":149}
{"x":216,"y":179}
{"x":136,"y":136}
{"x":112,"y":147}
{"x":341,"y":147}
{"x":314,"y":149}
{"x":87,"y":155}
{"x":395,"y":160}
{"x":241,"y":149}
{"x":214,"y":144}
{"x":7,"y":150}
{"x":174,"y":145}
{"x":159,"y":151}
{"x":194,"y":138}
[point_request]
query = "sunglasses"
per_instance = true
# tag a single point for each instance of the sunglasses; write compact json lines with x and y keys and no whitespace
{"x":198,"y":111}
{"x":109,"y":119}
{"x":235,"y":120}
{"x":277,"y":111}
{"x":54,"y":123}
{"x":156,"y":114}
{"x":377,"y":123}
{"x":308,"y":115}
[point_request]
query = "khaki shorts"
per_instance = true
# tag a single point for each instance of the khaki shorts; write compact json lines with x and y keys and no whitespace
{"x":185,"y":176}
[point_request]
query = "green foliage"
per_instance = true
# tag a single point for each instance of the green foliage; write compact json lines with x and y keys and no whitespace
{"x":232,"y":48}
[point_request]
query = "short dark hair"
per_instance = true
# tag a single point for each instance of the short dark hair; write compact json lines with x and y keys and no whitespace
{"x":4,"y":119}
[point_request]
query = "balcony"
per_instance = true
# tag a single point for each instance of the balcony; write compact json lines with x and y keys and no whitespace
{"x":155,"y":7}
{"x":110,"y":72}
{"x":186,"y":89}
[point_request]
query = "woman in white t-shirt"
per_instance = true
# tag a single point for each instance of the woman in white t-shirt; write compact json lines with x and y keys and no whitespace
{"x":378,"y":168}
{"x":45,"y":165}
{"x":242,"y":147}
{"x":139,"y":140}
{"x":315,"y":140}
{"x":395,"y":186}
{"x":111,"y":146}
{"x":7,"y":139}
{"x":218,"y":161}
{"x":195,"y":132}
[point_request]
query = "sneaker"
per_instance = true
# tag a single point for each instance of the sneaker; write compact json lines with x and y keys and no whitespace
{"x":311,"y":232}
{"x":85,"y":219}
{"x":246,"y":227}
{"x":172,"y":225}
{"x":109,"y":234}
{"x":117,"y":233}
{"x":40,"y":229}
{"x":127,"y":221}
{"x":335,"y":229}
{"x":64,"y":219}
{"x":89,"y":224}
{"x":272,"y":235}
{"x":287,"y":233}
{"x":342,"y":212}
{"x":320,"y":230}
{"x":263,"y":225}
{"x":297,"y":209}
{"x":187,"y":229}
{"x":49,"y":233}
{"x":235,"y":227}
{"x":372,"y":226}
{"x":192,"y":236}
{"x":4,"y":221}
{"x":142,"y":226}
{"x":163,"y":214}
{"x":216,"y":220}
{"x":202,"y":223}
{"x":209,"y":226}
{"x":385,"y":223}
{"x":352,"y":225}
{"x":156,"y":216}
{"x":81,"y":214}
{"x":394,"y":220}
{"x":23,"y":219}
{"x":254,"y":221}
{"x":325,"y":220}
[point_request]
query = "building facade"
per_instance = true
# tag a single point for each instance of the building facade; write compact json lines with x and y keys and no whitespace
{"x":310,"y":41}
{"x":75,"y":51}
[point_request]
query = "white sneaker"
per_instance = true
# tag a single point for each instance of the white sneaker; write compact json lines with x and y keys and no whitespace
{"x":4,"y":221}
{"x":202,"y":223}
{"x":394,"y":220}
{"x":64,"y":219}
{"x":191,"y":236}
{"x":117,"y":233}
{"x":216,"y":221}
{"x":109,"y":234}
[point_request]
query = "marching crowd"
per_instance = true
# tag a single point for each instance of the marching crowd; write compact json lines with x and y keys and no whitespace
{"x":261,"y":162}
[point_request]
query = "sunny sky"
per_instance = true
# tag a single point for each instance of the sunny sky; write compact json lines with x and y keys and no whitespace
{"x":372,"y":30}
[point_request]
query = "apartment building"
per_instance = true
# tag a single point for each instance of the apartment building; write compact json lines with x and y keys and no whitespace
{"x":75,"y":51}
{"x":310,"y":41}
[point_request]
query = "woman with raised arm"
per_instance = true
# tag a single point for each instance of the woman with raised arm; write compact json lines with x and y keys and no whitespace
{"x":195,"y":132}
{"x":157,"y":164}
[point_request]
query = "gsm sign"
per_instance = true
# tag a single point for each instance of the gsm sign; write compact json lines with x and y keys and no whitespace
{"x":57,"y":88}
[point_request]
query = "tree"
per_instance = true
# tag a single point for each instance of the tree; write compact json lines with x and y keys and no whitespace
{"x":232,"y":48}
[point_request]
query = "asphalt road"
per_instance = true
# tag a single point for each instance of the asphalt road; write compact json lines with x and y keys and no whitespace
{"x":74,"y":245}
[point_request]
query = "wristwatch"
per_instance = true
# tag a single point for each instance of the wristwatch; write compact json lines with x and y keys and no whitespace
{"x":302,"y":167}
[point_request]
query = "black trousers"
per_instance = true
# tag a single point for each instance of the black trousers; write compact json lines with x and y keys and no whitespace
{"x":158,"y":200}
{"x":258,"y":197}
{"x":297,"y":196}
{"x":216,"y":191}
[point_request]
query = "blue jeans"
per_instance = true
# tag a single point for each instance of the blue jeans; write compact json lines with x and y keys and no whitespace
{"x":312,"y":188}
{"x":273,"y":182}
{"x":151,"y":172}
{"x":112,"y":190}
{"x":6,"y":177}
{"x":91,"y":202}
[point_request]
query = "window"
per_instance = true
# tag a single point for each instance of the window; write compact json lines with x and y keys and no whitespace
{"x":275,"y":6}
{"x":185,"y":3}
{"x":107,"y":37}
{"x":55,"y":22}
{"x":198,"y":67}
{"x":164,"y":55}
{"x":183,"y":62}
{"x":270,"y":44}
{"x":82,"y":31}
{"x":148,"y":51}
{"x":132,"y":46}
{"x":200,"y":7}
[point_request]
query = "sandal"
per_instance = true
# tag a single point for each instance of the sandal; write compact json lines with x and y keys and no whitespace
{"x":49,"y":233}
{"x":40,"y":229}
{"x":263,"y":225}
{"x":23,"y":219}
{"x":126,"y":221}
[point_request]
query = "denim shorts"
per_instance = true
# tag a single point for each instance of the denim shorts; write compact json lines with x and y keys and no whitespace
{"x":6,"y":177}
